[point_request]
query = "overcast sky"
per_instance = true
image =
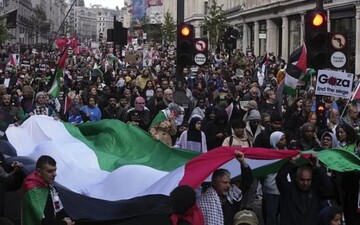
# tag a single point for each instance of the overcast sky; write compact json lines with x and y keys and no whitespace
{"x":111,"y":4}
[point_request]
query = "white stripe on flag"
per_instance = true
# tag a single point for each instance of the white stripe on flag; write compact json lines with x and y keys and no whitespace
{"x":290,"y":81}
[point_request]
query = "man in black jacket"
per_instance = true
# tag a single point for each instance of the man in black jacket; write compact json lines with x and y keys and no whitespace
{"x":112,"y":111}
{"x":300,"y":198}
{"x":263,"y":139}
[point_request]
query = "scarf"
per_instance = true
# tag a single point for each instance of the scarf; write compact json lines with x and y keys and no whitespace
{"x":40,"y":110}
{"x":57,"y":204}
{"x":193,"y":215}
{"x":210,"y":205}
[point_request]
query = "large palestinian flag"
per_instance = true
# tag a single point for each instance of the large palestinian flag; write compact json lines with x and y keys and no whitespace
{"x":108,"y":170}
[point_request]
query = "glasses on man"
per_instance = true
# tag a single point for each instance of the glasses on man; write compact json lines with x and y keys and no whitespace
{"x":140,"y":103}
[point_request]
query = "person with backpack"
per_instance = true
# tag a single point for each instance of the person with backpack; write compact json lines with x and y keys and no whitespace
{"x":238,"y":137}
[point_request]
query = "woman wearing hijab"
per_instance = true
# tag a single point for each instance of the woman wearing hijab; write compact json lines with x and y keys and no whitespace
{"x":193,"y":139}
{"x":270,"y":190}
{"x":330,"y":215}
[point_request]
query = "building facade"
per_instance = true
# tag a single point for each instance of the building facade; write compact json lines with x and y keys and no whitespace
{"x":105,"y":19}
{"x":278,"y":26}
{"x":22,"y":33}
{"x":85,"y":23}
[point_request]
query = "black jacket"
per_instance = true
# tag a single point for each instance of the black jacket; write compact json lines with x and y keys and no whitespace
{"x":299,"y":207}
{"x":114,"y":113}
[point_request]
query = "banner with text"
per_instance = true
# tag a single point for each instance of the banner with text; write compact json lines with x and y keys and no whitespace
{"x":334,"y":83}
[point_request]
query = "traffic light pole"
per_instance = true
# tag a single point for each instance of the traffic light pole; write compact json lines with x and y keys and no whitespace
{"x":179,"y":66}
{"x":320,"y":4}
{"x":114,"y":47}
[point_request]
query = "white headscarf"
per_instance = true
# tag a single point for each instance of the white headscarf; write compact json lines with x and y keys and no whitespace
{"x":275,"y":138}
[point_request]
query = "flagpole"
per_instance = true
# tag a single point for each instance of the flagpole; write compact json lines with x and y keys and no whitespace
{"x":351,"y":99}
{"x":62,"y":23}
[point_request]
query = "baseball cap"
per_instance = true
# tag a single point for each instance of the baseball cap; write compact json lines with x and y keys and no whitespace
{"x":246,"y":217}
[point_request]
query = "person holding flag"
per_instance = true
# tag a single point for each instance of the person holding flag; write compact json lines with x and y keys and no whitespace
{"x":163,"y":125}
{"x":41,"y":202}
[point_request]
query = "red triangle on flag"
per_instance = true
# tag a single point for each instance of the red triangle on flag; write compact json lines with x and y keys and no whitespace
{"x":356,"y":94}
{"x":67,"y":105}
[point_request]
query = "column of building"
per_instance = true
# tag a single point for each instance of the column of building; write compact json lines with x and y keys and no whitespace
{"x":246,"y":38}
{"x":285,"y":38}
{"x":256,"y":38}
{"x":357,"y":41}
{"x":272,"y":40}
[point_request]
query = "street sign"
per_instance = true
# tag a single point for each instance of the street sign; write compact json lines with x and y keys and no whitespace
{"x":338,"y":41}
{"x":200,"y":59}
{"x":338,"y":59}
{"x":200,"y":45}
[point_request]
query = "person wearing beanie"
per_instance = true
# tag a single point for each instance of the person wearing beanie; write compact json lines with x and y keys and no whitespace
{"x":245,"y":217}
{"x":254,"y":115}
{"x":185,"y":209}
{"x":41,"y":108}
{"x":253,"y":127}
{"x":163,"y":126}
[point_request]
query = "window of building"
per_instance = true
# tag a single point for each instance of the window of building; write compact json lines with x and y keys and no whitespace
{"x":294,"y":33}
{"x":262,"y":37}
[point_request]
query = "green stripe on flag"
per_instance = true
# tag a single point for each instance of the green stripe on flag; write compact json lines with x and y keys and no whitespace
{"x":289,"y":90}
{"x":33,"y":205}
{"x":123,"y":144}
{"x":348,"y":163}
{"x":55,"y":88}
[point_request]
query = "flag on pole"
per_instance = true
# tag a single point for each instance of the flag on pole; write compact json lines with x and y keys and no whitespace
{"x":296,"y":66}
{"x":96,"y":71}
{"x":55,"y":87}
{"x":67,"y":104}
{"x":356,"y":93}
{"x":13,"y":60}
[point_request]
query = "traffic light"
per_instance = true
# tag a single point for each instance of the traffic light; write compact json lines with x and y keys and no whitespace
{"x":110,"y":35}
{"x":320,"y":114}
{"x":101,"y":37}
{"x":316,"y":37}
{"x":120,"y":34}
{"x":184,"y":48}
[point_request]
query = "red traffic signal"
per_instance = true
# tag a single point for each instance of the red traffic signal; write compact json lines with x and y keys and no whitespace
{"x":316,"y":37}
{"x":185,"y":36}
{"x":318,"y":19}
{"x":320,"y":108}
{"x":185,"y":31}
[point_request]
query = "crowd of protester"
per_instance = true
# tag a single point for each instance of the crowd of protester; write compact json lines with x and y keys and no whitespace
{"x":232,"y":101}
